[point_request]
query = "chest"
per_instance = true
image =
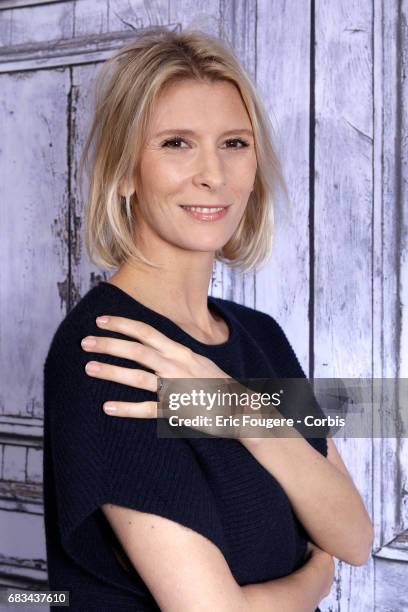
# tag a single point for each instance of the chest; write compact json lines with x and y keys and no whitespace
{"x":263,"y":537}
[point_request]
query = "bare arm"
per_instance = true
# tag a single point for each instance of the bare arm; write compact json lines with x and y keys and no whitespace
{"x":322,"y":494}
{"x":186,"y":572}
{"x":301,"y":591}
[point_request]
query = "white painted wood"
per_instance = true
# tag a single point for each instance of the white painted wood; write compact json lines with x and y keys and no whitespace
{"x":15,"y":429}
{"x":391,"y":586}
{"x":41,"y":22}
{"x":282,"y":286}
{"x":71,"y":52}
{"x":397,"y":550}
{"x":138,"y":14}
{"x":14,"y":463}
{"x":7,"y":4}
{"x":33,"y":165}
{"x":342,"y":245}
{"x":387,"y":452}
{"x":30,"y":542}
{"x":23,"y":497}
{"x":390,"y":287}
{"x":91,"y":17}
{"x":84,"y":274}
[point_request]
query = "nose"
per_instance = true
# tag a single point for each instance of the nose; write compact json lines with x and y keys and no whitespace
{"x":209,"y":169}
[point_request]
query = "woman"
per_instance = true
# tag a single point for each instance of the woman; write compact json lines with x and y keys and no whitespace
{"x":138,"y":522}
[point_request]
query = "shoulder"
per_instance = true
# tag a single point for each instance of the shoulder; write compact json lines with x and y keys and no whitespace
{"x":80,"y":321}
{"x":68,"y":334}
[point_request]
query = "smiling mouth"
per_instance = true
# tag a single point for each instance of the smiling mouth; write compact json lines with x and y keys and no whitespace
{"x":204,"y":209}
{"x":206,"y":213}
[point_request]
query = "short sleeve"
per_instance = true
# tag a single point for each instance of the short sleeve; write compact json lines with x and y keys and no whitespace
{"x":97,"y":458}
{"x":287,"y":365}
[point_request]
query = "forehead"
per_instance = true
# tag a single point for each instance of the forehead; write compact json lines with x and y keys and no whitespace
{"x":193,"y":103}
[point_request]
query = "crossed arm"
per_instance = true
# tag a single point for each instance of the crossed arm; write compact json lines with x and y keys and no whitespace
{"x":322,"y":494}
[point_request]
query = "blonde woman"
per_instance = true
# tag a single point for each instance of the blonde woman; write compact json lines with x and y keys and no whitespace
{"x":183,"y":171}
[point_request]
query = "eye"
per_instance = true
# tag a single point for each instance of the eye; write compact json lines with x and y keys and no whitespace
{"x":171,"y":142}
{"x":244,"y":143}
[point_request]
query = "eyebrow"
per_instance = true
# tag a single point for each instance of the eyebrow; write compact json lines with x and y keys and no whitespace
{"x":192,"y":133}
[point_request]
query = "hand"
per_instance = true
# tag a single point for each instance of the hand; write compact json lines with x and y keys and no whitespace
{"x":324,"y":561}
{"x":167,"y":358}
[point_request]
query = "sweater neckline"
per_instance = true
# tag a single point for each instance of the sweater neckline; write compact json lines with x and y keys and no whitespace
{"x":213,"y":304}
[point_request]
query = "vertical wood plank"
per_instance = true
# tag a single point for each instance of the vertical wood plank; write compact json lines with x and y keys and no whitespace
{"x":33,"y":162}
{"x":34,"y":465}
{"x":385,"y":285}
{"x":282,"y":287}
{"x":403,"y":239}
{"x":14,"y":460}
{"x":84,"y":274}
{"x":390,"y":475}
{"x":343,"y":233}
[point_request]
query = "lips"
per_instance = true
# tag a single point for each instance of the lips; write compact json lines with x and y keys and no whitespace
{"x":205,"y":207}
{"x":206,"y":213}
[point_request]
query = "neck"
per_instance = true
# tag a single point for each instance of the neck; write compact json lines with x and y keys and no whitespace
{"x":178,"y":292}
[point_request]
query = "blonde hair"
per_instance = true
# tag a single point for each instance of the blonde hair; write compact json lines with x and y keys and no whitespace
{"x":126,"y":88}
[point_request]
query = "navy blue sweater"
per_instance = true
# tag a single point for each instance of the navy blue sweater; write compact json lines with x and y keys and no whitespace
{"x":211,"y":485}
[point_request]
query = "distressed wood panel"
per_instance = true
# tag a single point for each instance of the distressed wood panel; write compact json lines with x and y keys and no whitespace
{"x":34,"y":255}
{"x":58,"y":53}
{"x":37,"y":23}
{"x":84,"y":274}
{"x":14,"y":463}
{"x":7,"y":4}
{"x":341,"y":307}
{"x":138,"y":14}
{"x":34,"y":465}
{"x":21,"y":497}
{"x":388,"y":467}
{"x":21,"y":430}
{"x":391,"y":586}
{"x":30,"y":543}
{"x":402,"y":79}
{"x":91,"y":17}
{"x":283,"y":78}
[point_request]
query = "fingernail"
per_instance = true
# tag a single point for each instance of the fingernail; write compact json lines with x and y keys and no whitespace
{"x":102,"y":320}
{"x":110,"y":408}
{"x":92,"y":367}
{"x":88,"y":341}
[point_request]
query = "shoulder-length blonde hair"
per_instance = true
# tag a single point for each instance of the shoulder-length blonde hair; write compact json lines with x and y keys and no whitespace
{"x":126,"y":87}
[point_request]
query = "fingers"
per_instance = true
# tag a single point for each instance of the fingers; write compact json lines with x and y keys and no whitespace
{"x":134,"y":351}
{"x":126,"y":376}
{"x":134,"y":410}
{"x":141,"y":331}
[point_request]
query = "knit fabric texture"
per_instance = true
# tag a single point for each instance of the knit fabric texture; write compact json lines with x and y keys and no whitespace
{"x":212,"y":485}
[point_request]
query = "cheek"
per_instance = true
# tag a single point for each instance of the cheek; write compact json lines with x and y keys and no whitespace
{"x":162,"y":176}
{"x":242,"y":183}
{"x":242,"y":174}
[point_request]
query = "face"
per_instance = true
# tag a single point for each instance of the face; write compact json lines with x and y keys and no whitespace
{"x":199,"y":152}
